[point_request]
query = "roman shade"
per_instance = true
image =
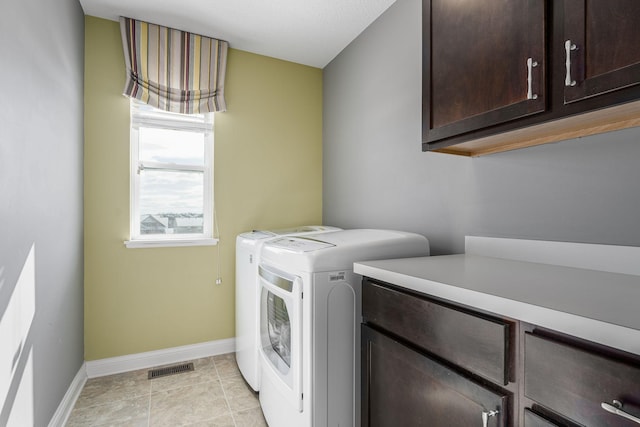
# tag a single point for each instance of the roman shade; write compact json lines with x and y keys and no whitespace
{"x":173,"y":70}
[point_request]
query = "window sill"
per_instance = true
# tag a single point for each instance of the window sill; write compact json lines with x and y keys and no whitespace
{"x":169,"y":243}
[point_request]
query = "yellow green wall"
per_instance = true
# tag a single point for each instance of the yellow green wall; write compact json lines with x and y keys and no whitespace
{"x":268,"y":174}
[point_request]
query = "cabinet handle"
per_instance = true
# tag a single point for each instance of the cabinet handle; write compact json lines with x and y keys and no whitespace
{"x":616,"y":408}
{"x":568,"y":47}
{"x":531,"y":64}
{"x":486,"y":415}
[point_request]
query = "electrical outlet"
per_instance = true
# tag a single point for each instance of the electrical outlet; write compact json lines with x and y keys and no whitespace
{"x":218,"y":281}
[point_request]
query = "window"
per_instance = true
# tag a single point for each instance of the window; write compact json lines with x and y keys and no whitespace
{"x":171,"y":178}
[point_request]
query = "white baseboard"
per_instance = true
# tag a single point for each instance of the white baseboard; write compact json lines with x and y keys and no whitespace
{"x":61,"y":415}
{"x":150,"y":359}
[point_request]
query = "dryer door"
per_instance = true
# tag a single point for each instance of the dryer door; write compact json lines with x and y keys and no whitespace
{"x":281,"y":332}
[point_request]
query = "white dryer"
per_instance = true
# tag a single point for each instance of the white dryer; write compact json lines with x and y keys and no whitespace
{"x":310,"y":317}
{"x":247,"y":296}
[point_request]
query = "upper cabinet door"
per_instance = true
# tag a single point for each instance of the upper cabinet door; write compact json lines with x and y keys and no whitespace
{"x":483,"y":62}
{"x":601,"y":43}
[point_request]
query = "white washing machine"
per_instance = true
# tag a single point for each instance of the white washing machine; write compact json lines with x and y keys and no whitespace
{"x":310,"y":319}
{"x":247,"y":296}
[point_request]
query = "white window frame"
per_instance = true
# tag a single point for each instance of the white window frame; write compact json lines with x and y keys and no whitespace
{"x":143,"y":115}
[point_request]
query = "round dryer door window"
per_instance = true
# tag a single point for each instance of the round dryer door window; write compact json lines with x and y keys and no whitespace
{"x":280,"y":327}
{"x":279,"y":330}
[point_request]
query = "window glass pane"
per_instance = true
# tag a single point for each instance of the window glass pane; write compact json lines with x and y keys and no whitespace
{"x":171,"y":146}
{"x":171,"y":202}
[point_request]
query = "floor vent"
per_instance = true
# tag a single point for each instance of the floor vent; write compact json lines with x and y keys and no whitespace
{"x":170,"y":370}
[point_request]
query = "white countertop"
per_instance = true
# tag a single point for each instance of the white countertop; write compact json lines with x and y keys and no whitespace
{"x":599,"y":306}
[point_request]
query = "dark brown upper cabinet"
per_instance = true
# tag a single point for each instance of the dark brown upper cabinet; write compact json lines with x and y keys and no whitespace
{"x":485,"y":64}
{"x":601,"y":47}
{"x":506,"y":74}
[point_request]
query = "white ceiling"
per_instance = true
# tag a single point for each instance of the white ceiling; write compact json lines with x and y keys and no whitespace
{"x":310,"y":32}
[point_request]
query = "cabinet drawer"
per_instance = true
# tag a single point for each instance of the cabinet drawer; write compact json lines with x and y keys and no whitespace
{"x":476,"y":343}
{"x":575,"y":382}
{"x":531,"y":419}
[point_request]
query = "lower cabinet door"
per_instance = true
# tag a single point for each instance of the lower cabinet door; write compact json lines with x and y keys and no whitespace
{"x":402,"y":387}
{"x":531,"y":419}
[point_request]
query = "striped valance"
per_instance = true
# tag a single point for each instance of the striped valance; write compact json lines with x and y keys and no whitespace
{"x":173,"y":70}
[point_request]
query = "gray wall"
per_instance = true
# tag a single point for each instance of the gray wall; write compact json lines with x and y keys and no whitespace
{"x":375,"y":175}
{"x":41,"y":175}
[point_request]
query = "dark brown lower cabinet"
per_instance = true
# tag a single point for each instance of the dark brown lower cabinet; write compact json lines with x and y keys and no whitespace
{"x":579,"y":384}
{"x":430,"y":362}
{"x":531,"y":419}
{"x":404,"y":387}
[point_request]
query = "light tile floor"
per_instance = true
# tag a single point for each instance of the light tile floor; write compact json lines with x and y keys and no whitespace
{"x":213,"y":395}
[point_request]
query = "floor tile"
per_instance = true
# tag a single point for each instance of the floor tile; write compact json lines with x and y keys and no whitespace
{"x":188,"y":405}
{"x":238,"y":394}
{"x":226,"y":365}
{"x":250,"y":418}
{"x":213,"y":395}
{"x":223,"y":421}
{"x":205,"y":362}
{"x":108,"y":389}
{"x":132,"y":412}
